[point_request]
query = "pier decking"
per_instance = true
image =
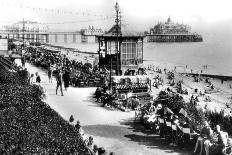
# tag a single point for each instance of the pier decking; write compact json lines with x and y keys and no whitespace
{"x":173,"y":38}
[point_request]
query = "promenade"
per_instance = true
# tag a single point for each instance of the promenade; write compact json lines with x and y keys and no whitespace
{"x":112,"y":129}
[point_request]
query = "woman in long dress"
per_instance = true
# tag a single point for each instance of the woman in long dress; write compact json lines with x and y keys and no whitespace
{"x":50,"y":74}
{"x":66,"y":79}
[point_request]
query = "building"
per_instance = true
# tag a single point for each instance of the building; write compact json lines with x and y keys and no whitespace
{"x":89,"y":35}
{"x":120,"y":53}
{"x":172,"y":32}
{"x":28,"y":31}
{"x":169,"y":27}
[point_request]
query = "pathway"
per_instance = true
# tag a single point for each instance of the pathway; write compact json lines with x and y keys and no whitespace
{"x":112,"y":129}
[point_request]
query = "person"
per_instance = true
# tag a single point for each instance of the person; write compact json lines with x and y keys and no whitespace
{"x":78,"y":127}
{"x":32,"y":79}
{"x":196,"y":99}
{"x":90,"y":142}
{"x":50,"y":74}
{"x":36,"y":74}
{"x":38,"y":80}
{"x":101,"y":151}
{"x":174,"y":121}
{"x":149,"y":107}
{"x":71,"y":119}
{"x":205,"y":134}
{"x":95,"y":149}
{"x":212,"y":86}
{"x":135,"y":103}
{"x":98,"y":93}
{"x":59,"y":82}
{"x":146,"y":113}
{"x":152,"y":120}
{"x":66,"y":79}
{"x":23,"y":61}
{"x":221,"y":144}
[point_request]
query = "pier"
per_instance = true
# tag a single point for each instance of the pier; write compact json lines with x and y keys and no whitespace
{"x":173,"y":38}
{"x":43,"y":36}
{"x":221,"y":77}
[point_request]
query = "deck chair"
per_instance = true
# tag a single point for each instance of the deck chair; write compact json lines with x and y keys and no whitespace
{"x":228,"y":149}
{"x":168,"y":130}
{"x":174,"y":141}
{"x":161,"y":126}
{"x":121,"y":99}
{"x":188,"y":136}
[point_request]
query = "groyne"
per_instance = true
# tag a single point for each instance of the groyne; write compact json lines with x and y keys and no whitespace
{"x":221,"y":77}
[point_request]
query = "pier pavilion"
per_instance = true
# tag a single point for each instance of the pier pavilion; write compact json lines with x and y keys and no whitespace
{"x":120,"y":53}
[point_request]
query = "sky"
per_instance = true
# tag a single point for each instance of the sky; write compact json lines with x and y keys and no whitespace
{"x":137,"y":15}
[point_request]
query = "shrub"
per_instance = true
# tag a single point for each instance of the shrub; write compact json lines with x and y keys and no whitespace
{"x":175,"y":102}
{"x":216,"y":118}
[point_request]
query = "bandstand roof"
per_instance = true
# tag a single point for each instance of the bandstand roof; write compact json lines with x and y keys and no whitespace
{"x":125,"y":33}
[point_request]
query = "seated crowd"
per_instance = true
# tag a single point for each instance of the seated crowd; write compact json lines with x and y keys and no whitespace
{"x":81,"y":74}
{"x":177,"y":129}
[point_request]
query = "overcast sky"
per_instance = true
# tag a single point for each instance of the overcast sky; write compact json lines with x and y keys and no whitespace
{"x":138,"y":15}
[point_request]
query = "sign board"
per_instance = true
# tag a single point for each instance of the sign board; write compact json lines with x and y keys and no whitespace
{"x":3,"y":44}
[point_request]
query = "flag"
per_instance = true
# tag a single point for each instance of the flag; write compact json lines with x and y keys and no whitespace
{"x":183,"y":112}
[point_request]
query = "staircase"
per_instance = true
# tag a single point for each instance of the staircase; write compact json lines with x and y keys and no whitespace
{"x":5,"y":62}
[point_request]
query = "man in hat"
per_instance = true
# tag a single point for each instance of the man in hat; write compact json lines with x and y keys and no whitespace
{"x":205,"y":134}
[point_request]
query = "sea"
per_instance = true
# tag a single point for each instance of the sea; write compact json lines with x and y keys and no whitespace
{"x":215,"y":52}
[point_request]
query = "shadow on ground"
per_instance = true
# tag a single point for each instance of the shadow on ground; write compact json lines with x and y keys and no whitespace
{"x":133,"y":133}
{"x":149,"y":139}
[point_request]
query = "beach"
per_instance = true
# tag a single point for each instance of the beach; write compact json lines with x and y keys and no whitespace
{"x":220,"y":95}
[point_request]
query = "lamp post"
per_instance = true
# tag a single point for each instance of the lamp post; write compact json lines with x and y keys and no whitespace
{"x":23,"y":33}
{"x":117,"y":27}
{"x":110,"y":72}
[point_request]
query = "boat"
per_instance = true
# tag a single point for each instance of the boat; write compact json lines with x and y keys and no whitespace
{"x":172,"y":32}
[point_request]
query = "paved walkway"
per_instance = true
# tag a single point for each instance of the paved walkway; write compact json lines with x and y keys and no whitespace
{"x":112,"y":129}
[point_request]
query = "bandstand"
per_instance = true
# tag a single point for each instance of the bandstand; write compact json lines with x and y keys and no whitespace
{"x":120,"y":53}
